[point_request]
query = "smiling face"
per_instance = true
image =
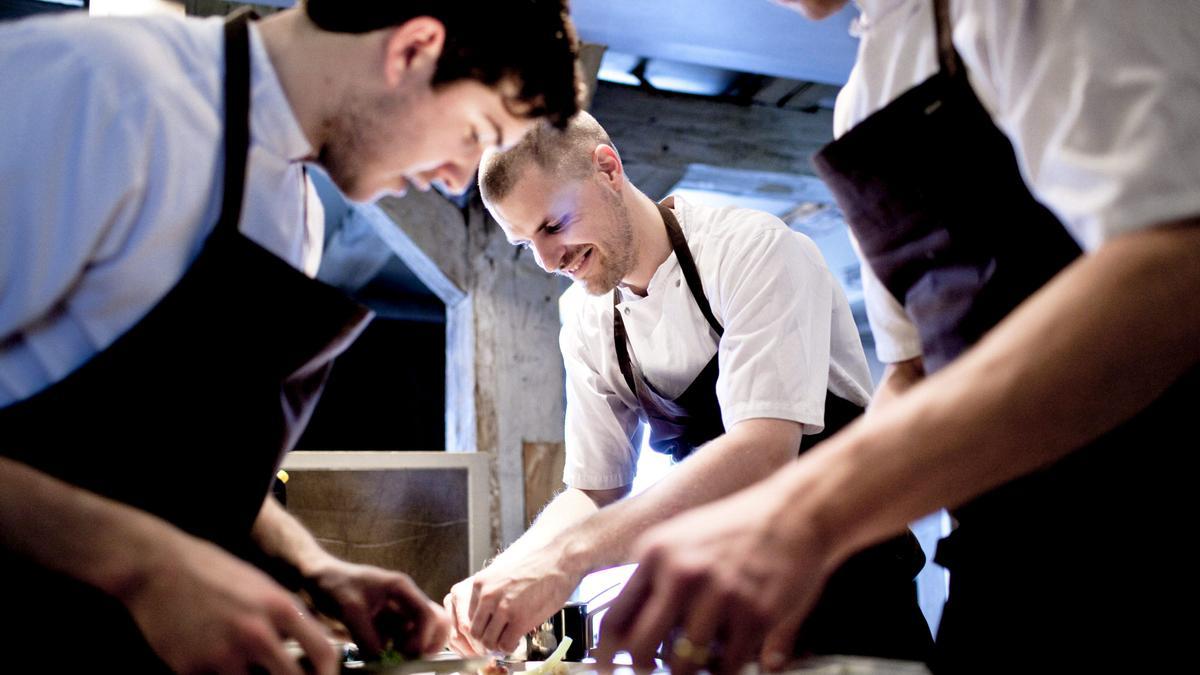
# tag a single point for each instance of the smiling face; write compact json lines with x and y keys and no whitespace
{"x":578,"y":228}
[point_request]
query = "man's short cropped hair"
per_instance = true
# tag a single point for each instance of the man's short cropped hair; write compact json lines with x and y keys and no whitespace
{"x":565,"y":153}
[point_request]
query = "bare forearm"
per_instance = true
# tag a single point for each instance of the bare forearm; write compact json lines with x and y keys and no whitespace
{"x":566,"y":510}
{"x":751,"y":451}
{"x":492,"y":609}
{"x":76,"y":532}
{"x":281,"y":536}
{"x":1124,"y":321}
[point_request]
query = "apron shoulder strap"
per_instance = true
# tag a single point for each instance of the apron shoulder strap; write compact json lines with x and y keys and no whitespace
{"x":688,"y":266}
{"x":948,"y":57}
{"x":237,"y":118}
{"x":622,"y":344}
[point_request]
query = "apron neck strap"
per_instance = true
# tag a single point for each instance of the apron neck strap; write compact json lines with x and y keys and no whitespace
{"x":947,"y":56}
{"x":237,"y":118}
{"x":688,"y":266}
{"x":621,"y":341}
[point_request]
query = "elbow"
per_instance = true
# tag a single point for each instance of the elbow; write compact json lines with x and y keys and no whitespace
{"x":774,"y":443}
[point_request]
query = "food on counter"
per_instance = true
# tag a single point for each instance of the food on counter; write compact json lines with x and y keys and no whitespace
{"x":493,"y":668}
{"x":554,"y":664}
{"x":390,"y":656}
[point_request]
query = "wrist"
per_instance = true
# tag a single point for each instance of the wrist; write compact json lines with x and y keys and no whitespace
{"x":292,"y":550}
{"x":145,"y":551}
{"x":576,"y":557}
{"x":314,"y":562}
{"x":805,"y":509}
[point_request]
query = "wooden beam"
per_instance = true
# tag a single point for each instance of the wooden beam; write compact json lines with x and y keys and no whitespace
{"x":659,"y":135}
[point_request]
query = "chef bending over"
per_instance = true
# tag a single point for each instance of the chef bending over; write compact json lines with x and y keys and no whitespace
{"x":724,"y":332}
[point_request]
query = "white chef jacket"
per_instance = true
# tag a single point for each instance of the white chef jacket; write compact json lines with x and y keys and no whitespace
{"x":110,"y":179}
{"x":1100,"y":98}
{"x":789,"y":338}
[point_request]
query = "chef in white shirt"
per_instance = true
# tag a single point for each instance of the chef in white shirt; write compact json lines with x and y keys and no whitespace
{"x":723,"y":331}
{"x":1023,"y":179}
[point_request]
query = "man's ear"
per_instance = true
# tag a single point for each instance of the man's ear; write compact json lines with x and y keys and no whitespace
{"x":413,"y":46}
{"x":608,"y":163}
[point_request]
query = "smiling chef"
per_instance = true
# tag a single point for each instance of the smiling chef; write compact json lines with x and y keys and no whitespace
{"x":721,"y":329}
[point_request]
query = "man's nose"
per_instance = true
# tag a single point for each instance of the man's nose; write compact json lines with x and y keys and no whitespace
{"x":458,"y":173}
{"x":454,"y":177}
{"x":547,"y":254}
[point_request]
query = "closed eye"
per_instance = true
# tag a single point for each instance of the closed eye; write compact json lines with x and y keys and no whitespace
{"x":547,"y":227}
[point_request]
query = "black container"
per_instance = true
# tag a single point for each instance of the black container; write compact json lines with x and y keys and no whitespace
{"x":571,"y":621}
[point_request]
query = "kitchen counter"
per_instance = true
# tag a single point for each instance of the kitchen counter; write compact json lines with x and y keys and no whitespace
{"x":823,"y":665}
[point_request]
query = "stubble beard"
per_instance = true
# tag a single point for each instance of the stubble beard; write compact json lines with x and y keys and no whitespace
{"x":352,"y":135}
{"x":617,"y":259}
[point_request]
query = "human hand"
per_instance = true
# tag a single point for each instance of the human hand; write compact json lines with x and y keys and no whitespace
{"x":721,"y":585}
{"x":495,"y":608}
{"x":378,"y":605}
{"x":456,"y":603}
{"x":204,"y":611}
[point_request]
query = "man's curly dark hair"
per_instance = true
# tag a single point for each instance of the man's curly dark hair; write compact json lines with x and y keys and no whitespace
{"x":531,"y":43}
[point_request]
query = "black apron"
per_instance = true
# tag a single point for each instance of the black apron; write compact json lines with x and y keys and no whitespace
{"x":869,"y":606}
{"x":186,"y":416}
{"x":1074,"y":563}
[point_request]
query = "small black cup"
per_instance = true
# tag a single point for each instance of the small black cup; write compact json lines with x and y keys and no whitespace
{"x":570,"y":621}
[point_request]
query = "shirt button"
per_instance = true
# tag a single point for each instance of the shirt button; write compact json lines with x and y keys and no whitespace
{"x":626,"y":311}
{"x":676,"y":283}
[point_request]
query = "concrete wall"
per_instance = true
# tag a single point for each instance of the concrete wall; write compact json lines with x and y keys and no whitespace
{"x":504,"y":373}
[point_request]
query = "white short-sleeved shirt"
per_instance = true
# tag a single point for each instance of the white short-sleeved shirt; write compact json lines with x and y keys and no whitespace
{"x":789,"y":338}
{"x":110,"y":179}
{"x":1101,"y":99}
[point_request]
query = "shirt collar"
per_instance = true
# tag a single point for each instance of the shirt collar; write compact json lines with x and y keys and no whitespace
{"x":275,"y":127}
